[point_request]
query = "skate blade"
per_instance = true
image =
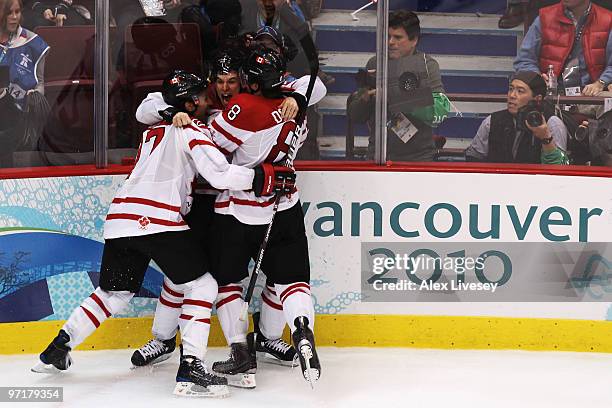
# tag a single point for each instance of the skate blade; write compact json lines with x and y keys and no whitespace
{"x":264,"y":357}
{"x":310,"y":374}
{"x":241,"y":380}
{"x":193,"y":390}
{"x":42,"y":368}
{"x":154,"y":362}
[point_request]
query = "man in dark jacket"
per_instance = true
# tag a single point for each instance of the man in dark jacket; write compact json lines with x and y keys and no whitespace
{"x":507,"y":137}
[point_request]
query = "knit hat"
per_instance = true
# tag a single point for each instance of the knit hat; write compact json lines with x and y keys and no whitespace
{"x":533,"y":79}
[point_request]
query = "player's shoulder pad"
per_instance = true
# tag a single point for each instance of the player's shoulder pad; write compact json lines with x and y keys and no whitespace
{"x":250,"y":112}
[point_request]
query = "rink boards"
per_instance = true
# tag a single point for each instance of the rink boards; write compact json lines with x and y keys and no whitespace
{"x":51,"y":241}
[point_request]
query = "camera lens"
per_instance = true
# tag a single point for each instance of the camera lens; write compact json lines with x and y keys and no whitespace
{"x":581,"y":133}
{"x":408,"y":81}
{"x":534,"y":118}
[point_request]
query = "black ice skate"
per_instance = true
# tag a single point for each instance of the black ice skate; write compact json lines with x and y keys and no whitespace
{"x":303,"y":339}
{"x":241,"y":366}
{"x":56,"y":356}
{"x":194,"y":380}
{"x":273,"y":351}
{"x":155,"y":351}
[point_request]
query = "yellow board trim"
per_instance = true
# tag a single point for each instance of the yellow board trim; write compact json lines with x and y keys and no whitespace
{"x":438,"y":332}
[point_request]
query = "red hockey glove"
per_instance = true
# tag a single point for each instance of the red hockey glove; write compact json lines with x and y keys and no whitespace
{"x":273,"y":179}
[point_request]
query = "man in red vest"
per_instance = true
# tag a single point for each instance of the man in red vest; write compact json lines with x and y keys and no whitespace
{"x":575,"y":38}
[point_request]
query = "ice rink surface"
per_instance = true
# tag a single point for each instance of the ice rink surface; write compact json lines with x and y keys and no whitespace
{"x":352,"y":377}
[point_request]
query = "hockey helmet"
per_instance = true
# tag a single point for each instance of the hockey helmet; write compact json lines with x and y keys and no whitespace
{"x":283,"y":44}
{"x":266,"y":68}
{"x":226,"y":61}
{"x":181,"y":86}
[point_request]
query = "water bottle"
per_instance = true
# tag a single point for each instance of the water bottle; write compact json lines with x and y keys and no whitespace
{"x":552,"y":82}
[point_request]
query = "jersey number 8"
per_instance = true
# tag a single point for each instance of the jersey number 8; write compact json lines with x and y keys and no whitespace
{"x":233,"y":112}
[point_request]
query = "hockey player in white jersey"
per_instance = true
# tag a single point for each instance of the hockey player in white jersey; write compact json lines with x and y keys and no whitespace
{"x":226,"y":84}
{"x":269,"y":344}
{"x":145,"y":223}
{"x":153,"y":109}
{"x":253,"y":129}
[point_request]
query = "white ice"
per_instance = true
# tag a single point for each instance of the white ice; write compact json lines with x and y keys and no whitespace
{"x":352,"y":377}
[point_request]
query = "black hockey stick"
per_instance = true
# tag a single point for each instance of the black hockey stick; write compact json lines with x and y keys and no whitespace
{"x":301,"y":30}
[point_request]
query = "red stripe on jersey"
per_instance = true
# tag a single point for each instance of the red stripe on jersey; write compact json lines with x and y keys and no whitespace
{"x":270,"y":303}
{"x":225,"y":133}
{"x":230,"y":288}
{"x":91,"y":317}
{"x":201,"y":303}
{"x":189,"y":317}
{"x":271,"y":290}
{"x":168,"y":303}
{"x":196,"y":142}
{"x":136,"y":217}
{"x":283,"y":300}
{"x":291,"y":287}
{"x":100,"y":303}
{"x":145,"y":201}
{"x":227,"y":300}
{"x":225,"y":152}
{"x":240,"y":201}
{"x":170,"y":291}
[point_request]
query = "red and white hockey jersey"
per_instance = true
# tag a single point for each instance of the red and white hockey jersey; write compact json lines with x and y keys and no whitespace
{"x":157,"y":192}
{"x":252,"y":129}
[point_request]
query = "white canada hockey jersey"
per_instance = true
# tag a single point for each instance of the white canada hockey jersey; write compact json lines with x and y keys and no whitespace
{"x":148,"y":113}
{"x":252,"y":129}
{"x":157,"y":192}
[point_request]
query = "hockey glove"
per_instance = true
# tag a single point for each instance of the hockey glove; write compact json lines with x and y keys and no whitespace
{"x":168,"y":114}
{"x":273,"y":179}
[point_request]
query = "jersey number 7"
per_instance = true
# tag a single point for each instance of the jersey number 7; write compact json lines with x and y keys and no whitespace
{"x":157,"y":134}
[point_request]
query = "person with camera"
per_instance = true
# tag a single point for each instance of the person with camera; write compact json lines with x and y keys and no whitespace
{"x":416,"y":99}
{"x":526,"y":132}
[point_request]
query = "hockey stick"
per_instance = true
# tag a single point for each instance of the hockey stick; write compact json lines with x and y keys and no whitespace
{"x":354,"y":13}
{"x":301,"y":29}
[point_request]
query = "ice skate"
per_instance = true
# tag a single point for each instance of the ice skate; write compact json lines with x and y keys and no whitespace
{"x":155,"y":351}
{"x":56,"y":357}
{"x":194,"y":380}
{"x":273,"y":351}
{"x":241,"y":366}
{"x":303,"y":339}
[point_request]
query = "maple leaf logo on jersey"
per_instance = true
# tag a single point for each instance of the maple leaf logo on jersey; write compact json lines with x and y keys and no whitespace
{"x":261,"y":60}
{"x":144,"y":222}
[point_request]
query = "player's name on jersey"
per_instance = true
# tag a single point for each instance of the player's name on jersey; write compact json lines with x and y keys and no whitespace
{"x":450,"y":286}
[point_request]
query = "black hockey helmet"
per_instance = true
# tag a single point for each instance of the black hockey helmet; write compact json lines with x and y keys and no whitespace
{"x":283,"y":43}
{"x":266,"y":68}
{"x":227,"y":60}
{"x":182,"y":86}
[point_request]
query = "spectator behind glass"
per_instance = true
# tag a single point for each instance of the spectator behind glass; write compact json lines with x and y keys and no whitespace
{"x":11,"y":122}
{"x":524,"y":11}
{"x":219,"y":20}
{"x":22,"y":51}
{"x":405,"y":62}
{"x":506,"y":136}
{"x":575,"y":37}
{"x":41,"y":13}
{"x":275,"y":13}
